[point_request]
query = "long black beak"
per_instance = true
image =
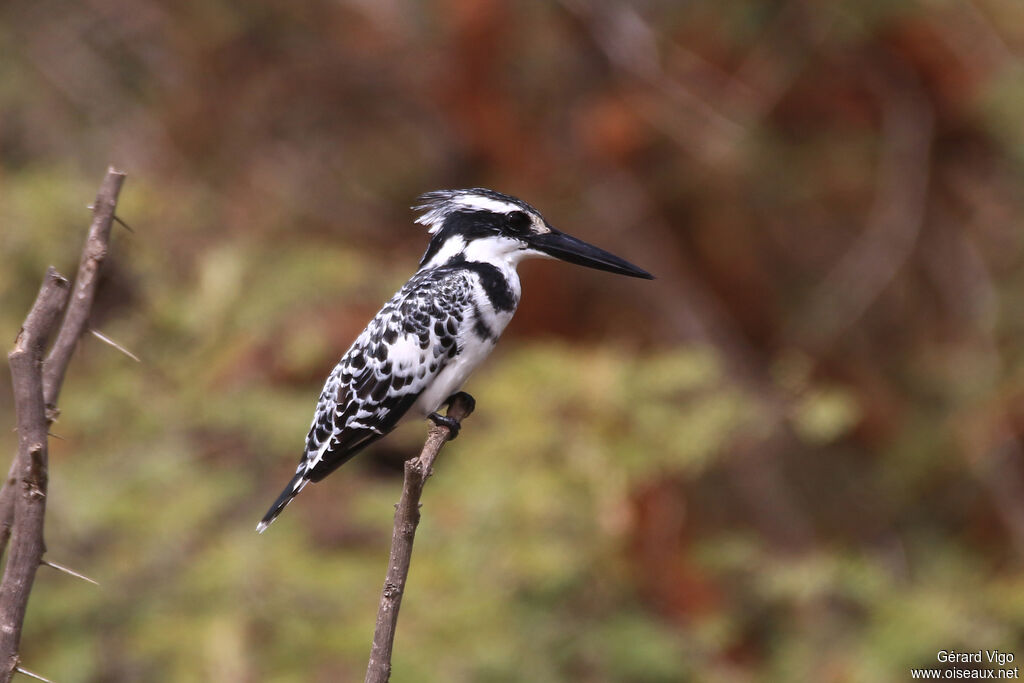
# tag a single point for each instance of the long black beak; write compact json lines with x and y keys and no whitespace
{"x":568,"y":248}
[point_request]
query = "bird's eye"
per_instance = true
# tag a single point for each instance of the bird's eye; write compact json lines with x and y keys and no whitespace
{"x":518,"y":221}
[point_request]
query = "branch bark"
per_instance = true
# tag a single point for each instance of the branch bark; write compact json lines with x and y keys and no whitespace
{"x":36,"y":388}
{"x":27,"y":547}
{"x":75,"y":320}
{"x":97,"y":243}
{"x":407,"y":517}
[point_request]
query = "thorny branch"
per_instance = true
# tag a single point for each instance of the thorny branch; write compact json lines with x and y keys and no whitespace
{"x":75,"y":319}
{"x":407,"y":517}
{"x":36,"y":386}
{"x":29,"y":469}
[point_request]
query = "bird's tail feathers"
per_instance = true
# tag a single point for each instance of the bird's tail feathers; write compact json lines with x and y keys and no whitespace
{"x":290,"y":491}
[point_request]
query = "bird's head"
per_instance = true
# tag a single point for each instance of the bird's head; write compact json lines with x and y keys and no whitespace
{"x":484,"y":225}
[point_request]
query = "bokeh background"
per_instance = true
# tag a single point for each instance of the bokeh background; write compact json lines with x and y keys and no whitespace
{"x":796,"y":455}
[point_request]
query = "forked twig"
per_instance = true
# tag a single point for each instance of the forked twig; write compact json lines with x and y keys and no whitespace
{"x":36,"y":387}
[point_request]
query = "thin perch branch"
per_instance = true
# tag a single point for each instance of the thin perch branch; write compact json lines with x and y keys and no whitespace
{"x":407,"y":517}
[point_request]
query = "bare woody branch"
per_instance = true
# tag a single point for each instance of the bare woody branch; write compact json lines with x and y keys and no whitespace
{"x":97,"y":244}
{"x":29,"y":467}
{"x":75,"y":321}
{"x":407,"y":517}
{"x":36,"y":387}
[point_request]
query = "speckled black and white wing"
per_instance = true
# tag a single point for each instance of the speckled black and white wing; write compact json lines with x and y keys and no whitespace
{"x":400,"y":353}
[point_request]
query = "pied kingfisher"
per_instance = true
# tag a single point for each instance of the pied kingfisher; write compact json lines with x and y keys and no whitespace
{"x":419,"y":349}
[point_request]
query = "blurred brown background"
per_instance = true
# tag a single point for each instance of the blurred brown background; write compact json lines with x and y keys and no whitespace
{"x":796,"y":455}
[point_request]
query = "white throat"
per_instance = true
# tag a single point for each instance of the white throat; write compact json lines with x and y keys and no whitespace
{"x":502,"y":252}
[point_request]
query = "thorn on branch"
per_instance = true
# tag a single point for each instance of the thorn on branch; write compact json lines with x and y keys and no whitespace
{"x":36,"y":386}
{"x":69,"y":571}
{"x":94,"y":252}
{"x":30,"y":674}
{"x":117,"y":219}
{"x":107,"y":340}
{"x":52,"y":413}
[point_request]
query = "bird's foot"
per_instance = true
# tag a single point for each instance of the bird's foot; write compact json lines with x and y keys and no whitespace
{"x":451,"y":423}
{"x":463,"y":396}
{"x":469,"y":404}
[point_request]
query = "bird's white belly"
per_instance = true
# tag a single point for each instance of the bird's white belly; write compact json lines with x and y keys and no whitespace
{"x":474,"y":343}
{"x":451,"y":378}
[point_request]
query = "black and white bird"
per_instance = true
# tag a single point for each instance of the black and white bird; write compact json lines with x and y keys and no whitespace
{"x":421,"y":347}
